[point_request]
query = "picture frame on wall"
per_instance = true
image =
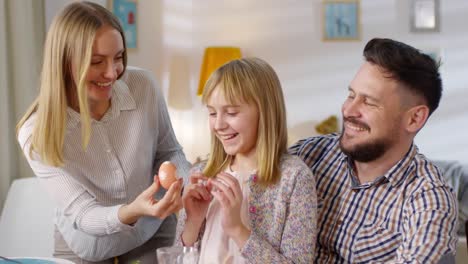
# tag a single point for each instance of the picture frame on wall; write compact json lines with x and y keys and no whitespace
{"x":425,"y":15}
{"x":341,"y":20}
{"x":127,"y":13}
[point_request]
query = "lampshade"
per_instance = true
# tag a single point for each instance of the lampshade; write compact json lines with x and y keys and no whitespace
{"x":214,"y":58}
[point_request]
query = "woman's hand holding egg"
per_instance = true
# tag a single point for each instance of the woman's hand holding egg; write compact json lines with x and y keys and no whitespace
{"x":146,"y":205}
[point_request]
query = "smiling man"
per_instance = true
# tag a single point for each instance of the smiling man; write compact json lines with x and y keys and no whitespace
{"x":380,"y":200}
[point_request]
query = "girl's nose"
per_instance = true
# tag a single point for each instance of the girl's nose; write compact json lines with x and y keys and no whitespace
{"x":219,"y":123}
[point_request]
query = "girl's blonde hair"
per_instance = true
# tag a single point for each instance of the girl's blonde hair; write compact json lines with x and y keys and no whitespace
{"x":67,"y":56}
{"x":252,"y":81}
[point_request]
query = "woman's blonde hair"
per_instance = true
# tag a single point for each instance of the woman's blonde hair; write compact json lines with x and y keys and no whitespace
{"x":252,"y":81}
{"x":69,"y":45}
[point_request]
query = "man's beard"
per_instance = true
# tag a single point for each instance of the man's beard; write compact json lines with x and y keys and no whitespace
{"x":368,"y":151}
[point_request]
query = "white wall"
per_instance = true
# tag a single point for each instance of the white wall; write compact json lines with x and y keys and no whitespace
{"x":149,"y":30}
{"x":21,"y":38}
{"x":314,"y":74}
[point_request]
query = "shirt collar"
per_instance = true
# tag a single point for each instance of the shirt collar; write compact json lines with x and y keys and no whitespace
{"x":121,"y":100}
{"x":395,"y":176}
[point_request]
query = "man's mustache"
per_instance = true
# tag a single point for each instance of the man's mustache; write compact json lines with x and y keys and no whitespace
{"x":356,"y":122}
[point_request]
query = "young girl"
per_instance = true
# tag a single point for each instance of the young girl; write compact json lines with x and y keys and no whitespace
{"x":259,"y":203}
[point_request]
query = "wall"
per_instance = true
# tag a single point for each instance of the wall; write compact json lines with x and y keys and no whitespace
{"x":314,"y":74}
{"x":21,"y":38}
{"x":149,"y":29}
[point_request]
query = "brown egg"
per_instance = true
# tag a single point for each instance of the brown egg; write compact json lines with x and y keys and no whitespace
{"x":167,"y":174}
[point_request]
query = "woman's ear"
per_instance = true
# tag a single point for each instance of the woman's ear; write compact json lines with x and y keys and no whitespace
{"x":416,"y":117}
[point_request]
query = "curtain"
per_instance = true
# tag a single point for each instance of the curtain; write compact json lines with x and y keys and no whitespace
{"x":22,"y":32}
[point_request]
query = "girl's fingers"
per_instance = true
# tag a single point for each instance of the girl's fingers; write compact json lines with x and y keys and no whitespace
{"x":197,"y":176}
{"x":226,"y":190}
{"x":208,"y":186}
{"x":221,"y":197}
{"x":194,"y":194}
{"x":198,"y":191}
{"x":231,"y":181}
{"x":204,"y":193}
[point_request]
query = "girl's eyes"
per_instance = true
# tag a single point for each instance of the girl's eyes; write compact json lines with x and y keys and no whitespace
{"x":228,"y":113}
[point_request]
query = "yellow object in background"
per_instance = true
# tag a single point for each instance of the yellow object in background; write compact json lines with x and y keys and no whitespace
{"x":214,"y":58}
{"x":328,"y":126}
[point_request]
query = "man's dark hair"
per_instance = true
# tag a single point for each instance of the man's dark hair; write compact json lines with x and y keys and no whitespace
{"x":417,"y":71}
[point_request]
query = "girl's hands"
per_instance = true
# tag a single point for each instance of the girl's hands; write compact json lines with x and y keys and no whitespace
{"x":146,"y":205}
{"x":196,"y":199}
{"x":229,"y":194}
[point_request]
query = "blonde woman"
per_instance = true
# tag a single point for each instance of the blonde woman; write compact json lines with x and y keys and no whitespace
{"x":259,"y":203}
{"x":94,"y":137}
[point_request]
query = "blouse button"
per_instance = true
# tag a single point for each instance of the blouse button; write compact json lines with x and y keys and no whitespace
{"x":255,"y":178}
{"x":252,"y":209}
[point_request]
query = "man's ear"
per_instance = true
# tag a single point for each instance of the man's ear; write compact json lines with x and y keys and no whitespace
{"x":416,"y":117}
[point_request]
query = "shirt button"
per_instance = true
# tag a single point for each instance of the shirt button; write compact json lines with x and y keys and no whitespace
{"x":252,"y":209}
{"x":108,"y":150}
{"x":254,"y":178}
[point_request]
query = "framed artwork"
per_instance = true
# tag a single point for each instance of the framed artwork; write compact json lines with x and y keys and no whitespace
{"x":341,"y":20}
{"x":126,"y":12}
{"x":424,"y":15}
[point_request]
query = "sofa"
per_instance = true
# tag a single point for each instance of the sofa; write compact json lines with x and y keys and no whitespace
{"x":456,"y":175}
{"x":26,"y":222}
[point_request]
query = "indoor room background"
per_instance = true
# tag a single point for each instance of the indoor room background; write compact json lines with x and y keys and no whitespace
{"x":172,"y":36}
